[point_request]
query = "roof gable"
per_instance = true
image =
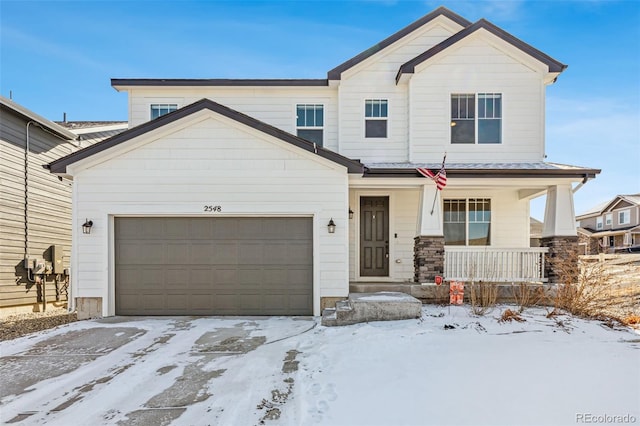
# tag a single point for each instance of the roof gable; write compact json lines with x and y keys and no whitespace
{"x":60,"y":166}
{"x":336,"y":73}
{"x":553,"y":65}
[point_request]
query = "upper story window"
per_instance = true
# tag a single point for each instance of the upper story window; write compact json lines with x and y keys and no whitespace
{"x":310,"y":122}
{"x":467,"y":222}
{"x":476,"y":119}
{"x":598,"y":222}
{"x":376,"y":114}
{"x":158,"y":110}
{"x":624,"y":217}
{"x":608,"y":219}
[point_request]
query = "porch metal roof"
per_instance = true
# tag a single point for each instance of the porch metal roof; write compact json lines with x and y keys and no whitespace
{"x":487,"y":170}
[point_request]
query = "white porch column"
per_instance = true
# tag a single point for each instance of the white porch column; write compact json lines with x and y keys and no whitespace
{"x":430,"y":223}
{"x":559,"y":214}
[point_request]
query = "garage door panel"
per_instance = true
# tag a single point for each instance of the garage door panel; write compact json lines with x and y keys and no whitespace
{"x":214,"y":266}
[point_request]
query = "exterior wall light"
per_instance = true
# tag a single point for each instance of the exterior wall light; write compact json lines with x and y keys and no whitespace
{"x":86,"y":226}
{"x":331,"y":226}
{"x":350,"y":213}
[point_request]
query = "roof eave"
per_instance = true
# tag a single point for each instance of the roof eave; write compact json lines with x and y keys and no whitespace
{"x":29,"y":115}
{"x":60,"y":166}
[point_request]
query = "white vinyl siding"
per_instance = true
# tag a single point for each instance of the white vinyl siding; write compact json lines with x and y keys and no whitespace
{"x":494,"y":71}
{"x":273,"y":105}
{"x":216,"y":162}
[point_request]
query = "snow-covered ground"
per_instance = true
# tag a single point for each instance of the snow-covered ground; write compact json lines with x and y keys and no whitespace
{"x":447,"y":368}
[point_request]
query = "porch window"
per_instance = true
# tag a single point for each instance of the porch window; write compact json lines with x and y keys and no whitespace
{"x":310,"y":122}
{"x":624,"y":217}
{"x":158,"y":110}
{"x":376,"y":113}
{"x":467,"y":222}
{"x":486,"y":113}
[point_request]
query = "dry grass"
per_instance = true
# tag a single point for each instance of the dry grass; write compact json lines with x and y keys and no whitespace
{"x":527,"y":295}
{"x":509,"y":315}
{"x":604,"y":287}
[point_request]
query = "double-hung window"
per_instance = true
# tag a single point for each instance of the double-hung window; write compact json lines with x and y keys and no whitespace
{"x":158,"y":110}
{"x":310,"y":122}
{"x":376,"y":115}
{"x":467,"y":222}
{"x":624,"y":217}
{"x":608,"y":219}
{"x":476,"y":118}
{"x":599,"y":223}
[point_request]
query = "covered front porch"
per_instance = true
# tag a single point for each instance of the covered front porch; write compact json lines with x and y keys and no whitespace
{"x":404,"y":231}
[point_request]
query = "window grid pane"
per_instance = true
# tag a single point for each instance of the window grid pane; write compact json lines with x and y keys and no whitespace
{"x":158,"y":110}
{"x":309,"y":115}
{"x":376,"y":108}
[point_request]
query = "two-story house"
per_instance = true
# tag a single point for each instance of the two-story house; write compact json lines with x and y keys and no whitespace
{"x":35,"y":206}
{"x":612,"y":226}
{"x":272,"y":196}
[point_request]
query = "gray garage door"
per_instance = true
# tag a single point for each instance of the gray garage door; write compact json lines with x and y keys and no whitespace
{"x":214,"y":266}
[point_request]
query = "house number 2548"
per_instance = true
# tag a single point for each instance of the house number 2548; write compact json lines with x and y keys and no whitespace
{"x":213,"y":209}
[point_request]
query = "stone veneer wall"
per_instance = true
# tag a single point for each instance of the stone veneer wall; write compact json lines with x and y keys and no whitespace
{"x":561,"y":250}
{"x":428,"y":258}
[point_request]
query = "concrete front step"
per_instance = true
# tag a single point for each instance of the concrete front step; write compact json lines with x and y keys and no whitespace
{"x":366,"y":307}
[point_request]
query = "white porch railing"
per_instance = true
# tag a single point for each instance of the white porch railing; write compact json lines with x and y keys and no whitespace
{"x":495,"y":264}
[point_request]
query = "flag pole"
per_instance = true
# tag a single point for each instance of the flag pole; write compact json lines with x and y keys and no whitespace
{"x":433,"y":206}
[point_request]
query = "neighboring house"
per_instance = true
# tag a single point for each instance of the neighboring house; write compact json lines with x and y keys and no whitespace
{"x":535,"y":232}
{"x":35,"y":208}
{"x":271,"y":196}
{"x":611,"y":226}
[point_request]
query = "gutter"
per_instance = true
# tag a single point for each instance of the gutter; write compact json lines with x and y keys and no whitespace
{"x":581,"y":184}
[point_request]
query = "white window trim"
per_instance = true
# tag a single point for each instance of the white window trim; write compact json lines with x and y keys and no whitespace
{"x":475,"y":136}
{"x":365,"y":118}
{"x":599,"y":223}
{"x":626,"y":214}
{"x":324,"y":119}
{"x":608,"y":219}
{"x":151,"y":104}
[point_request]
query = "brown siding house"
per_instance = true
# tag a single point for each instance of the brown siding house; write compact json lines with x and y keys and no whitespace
{"x":35,"y":209}
{"x":613,"y":226}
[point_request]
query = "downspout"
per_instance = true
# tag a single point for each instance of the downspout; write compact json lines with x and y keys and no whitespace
{"x":580,"y":185}
{"x":26,"y":203}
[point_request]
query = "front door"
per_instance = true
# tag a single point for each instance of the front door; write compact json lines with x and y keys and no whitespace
{"x":374,"y":236}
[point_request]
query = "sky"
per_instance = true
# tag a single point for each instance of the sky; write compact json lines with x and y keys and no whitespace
{"x":58,"y":57}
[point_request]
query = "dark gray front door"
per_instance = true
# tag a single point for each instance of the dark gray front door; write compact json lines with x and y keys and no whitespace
{"x":214,"y":266}
{"x":374,"y":236}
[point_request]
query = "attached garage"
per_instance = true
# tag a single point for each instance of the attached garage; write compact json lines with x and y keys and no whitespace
{"x":214,"y":266}
{"x":207,"y":211}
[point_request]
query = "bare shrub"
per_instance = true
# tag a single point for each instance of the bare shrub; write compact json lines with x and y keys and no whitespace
{"x":583,"y":286}
{"x":483,"y":297}
{"x":526,"y":295}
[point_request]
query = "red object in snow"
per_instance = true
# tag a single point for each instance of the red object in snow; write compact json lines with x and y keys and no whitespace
{"x":456,"y":293}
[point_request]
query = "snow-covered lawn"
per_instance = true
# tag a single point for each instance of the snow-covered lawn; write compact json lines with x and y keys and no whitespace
{"x":447,"y":368}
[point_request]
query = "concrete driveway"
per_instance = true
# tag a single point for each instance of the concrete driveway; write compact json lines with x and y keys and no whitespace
{"x":149,"y":371}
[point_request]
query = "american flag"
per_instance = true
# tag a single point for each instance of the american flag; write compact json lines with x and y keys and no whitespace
{"x":439,"y":178}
